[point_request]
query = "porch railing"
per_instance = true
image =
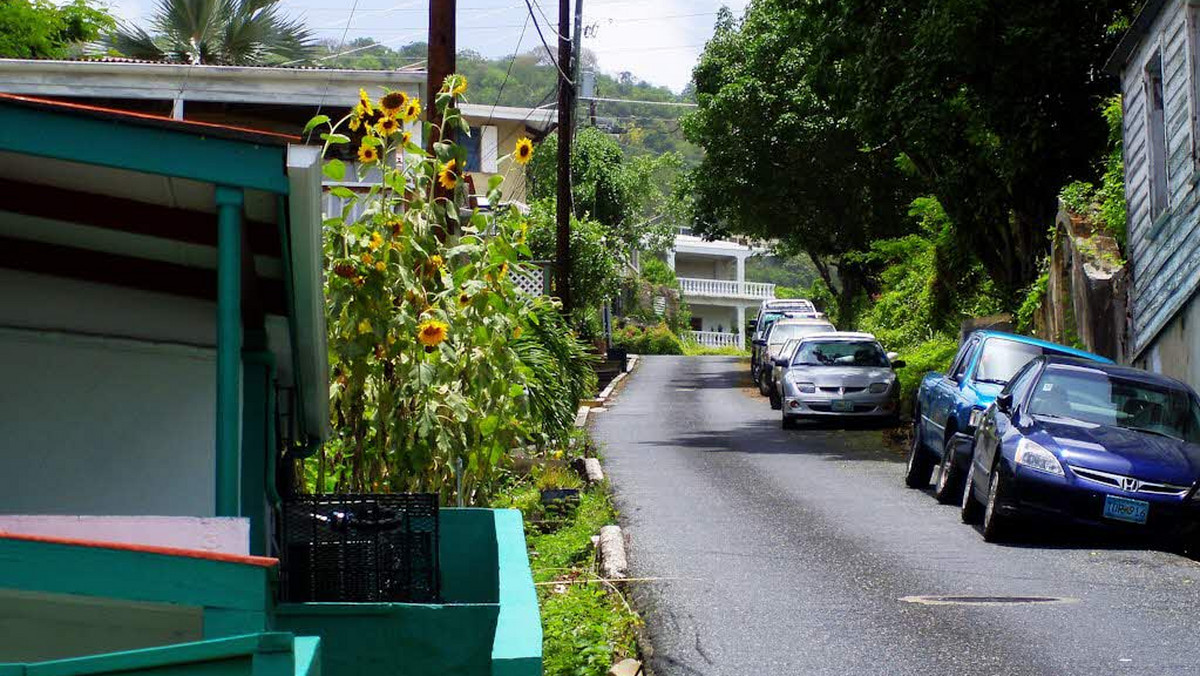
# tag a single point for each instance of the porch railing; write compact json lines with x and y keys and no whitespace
{"x":714,"y":339}
{"x":725,"y":288}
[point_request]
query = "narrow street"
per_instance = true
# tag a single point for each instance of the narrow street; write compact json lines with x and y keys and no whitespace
{"x":789,"y":552}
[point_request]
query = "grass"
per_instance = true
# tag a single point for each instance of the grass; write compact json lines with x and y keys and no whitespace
{"x":692,"y":349}
{"x":587,"y":627}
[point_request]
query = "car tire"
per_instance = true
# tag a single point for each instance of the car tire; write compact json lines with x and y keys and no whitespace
{"x":763,"y":384}
{"x":776,"y":400}
{"x":972,"y":509}
{"x":948,"y":489}
{"x":788,"y":422}
{"x":996,"y":526}
{"x":920,"y":465}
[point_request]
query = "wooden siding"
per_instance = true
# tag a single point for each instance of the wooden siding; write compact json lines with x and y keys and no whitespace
{"x":1164,"y":253}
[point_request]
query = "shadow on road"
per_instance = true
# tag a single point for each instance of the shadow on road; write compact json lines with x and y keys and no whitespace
{"x":765,"y":437}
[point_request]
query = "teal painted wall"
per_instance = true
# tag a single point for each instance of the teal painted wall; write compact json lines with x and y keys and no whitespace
{"x":467,"y":554}
{"x":517,"y":648}
{"x":396,"y":639}
{"x":261,"y":654}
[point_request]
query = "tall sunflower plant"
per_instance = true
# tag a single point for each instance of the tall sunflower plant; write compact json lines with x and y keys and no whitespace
{"x":428,"y":391}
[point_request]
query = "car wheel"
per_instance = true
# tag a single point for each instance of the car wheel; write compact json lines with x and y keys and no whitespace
{"x":763,"y":384}
{"x":948,"y":489}
{"x":971,"y":508}
{"x":920,"y":466}
{"x":776,"y":399}
{"x":995,"y":524}
{"x":788,"y":422}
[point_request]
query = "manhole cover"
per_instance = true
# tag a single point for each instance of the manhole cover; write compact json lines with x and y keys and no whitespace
{"x":986,"y":600}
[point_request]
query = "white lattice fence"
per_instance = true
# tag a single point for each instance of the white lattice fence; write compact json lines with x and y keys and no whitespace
{"x":532,"y":281}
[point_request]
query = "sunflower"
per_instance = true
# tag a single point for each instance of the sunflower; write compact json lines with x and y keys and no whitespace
{"x":367,"y":258}
{"x":464,"y":299}
{"x":376,"y":241}
{"x":413,"y":110}
{"x":364,"y":101}
{"x":364,"y":326}
{"x":460,"y":85}
{"x":387,"y":126}
{"x":354,"y":123}
{"x":447,"y":177}
{"x":380,"y":266}
{"x":431,"y":332}
{"x":397,"y":226}
{"x":393,"y":102}
{"x":524,"y":150}
{"x":368,"y":154}
{"x":436,"y":262}
{"x":406,"y":138}
{"x":517,"y":333}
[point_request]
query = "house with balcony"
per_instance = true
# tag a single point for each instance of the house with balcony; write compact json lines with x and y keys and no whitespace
{"x":163,"y":339}
{"x":712,"y":279}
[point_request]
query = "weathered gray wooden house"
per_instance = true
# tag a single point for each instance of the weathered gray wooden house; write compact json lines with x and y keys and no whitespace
{"x":1158,"y":62}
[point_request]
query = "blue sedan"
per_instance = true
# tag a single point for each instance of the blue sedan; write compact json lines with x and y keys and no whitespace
{"x":1083,"y":442}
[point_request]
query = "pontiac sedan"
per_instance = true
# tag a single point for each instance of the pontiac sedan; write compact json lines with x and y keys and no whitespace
{"x":840,"y":375}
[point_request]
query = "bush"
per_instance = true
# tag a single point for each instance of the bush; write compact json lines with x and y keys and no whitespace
{"x":934,"y":354}
{"x":650,"y":340}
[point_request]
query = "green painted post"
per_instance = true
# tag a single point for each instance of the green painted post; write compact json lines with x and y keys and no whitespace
{"x":229,"y":346}
{"x":258,"y":423}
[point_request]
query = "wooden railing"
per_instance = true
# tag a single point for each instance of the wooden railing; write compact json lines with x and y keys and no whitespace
{"x":725,"y":288}
{"x":714,"y":339}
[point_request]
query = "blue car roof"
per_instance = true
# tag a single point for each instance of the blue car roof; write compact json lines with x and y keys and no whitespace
{"x":1044,"y":344}
{"x":1126,"y":372}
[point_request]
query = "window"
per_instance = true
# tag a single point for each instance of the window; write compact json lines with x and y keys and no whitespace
{"x":1002,"y":358}
{"x":1156,"y":141}
{"x":1099,"y":398}
{"x":472,"y":144}
{"x":841,"y":353}
{"x":959,"y":367}
{"x":481,"y":148}
{"x":1019,"y":386}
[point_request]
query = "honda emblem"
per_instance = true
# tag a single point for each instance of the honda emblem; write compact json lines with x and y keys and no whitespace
{"x":1130,"y":485}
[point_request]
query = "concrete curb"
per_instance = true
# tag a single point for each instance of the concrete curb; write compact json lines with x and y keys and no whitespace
{"x":590,"y":470}
{"x":614,"y":565}
{"x":581,"y":416}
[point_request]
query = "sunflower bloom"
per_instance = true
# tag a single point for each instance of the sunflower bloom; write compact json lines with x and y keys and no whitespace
{"x":412,"y":111}
{"x":517,"y":333}
{"x":367,"y":259}
{"x":355,"y":123}
{"x":524,"y":151}
{"x":381,"y":266}
{"x":368,"y":154}
{"x":364,"y":326}
{"x":364,"y":101}
{"x":376,"y":241}
{"x":464,"y":299}
{"x":393,"y":102}
{"x":436,"y":262}
{"x":447,"y":177}
{"x":432,"y":332}
{"x":460,"y":85}
{"x":406,"y":138}
{"x":387,"y":126}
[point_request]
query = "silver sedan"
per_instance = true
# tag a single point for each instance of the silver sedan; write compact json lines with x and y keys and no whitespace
{"x":840,"y":375}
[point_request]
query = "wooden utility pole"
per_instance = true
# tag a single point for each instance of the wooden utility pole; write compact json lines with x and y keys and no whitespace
{"x":441,"y":58}
{"x":566,"y":107}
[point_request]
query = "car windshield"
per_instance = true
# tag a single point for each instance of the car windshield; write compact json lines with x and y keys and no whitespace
{"x":1104,"y":399}
{"x":785,"y":332}
{"x":840,"y":353}
{"x":1002,"y":358}
{"x":765,"y":322}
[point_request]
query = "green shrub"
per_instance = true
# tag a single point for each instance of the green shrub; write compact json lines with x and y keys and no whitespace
{"x":650,"y":340}
{"x":934,"y":354}
{"x":658,"y":272}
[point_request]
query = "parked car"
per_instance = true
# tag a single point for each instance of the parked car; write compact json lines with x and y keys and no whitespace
{"x":782,"y":331}
{"x":949,"y":406}
{"x":780,"y":366}
{"x":768,"y":313}
{"x":840,"y":375}
{"x":1091,"y":443}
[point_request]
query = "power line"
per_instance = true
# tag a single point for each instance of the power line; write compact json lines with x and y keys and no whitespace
{"x":549,"y":52}
{"x":342,"y":43}
{"x":649,"y":103}
{"x":511,"y":61}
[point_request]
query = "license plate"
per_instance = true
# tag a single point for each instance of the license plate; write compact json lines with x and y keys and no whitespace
{"x":1124,"y":509}
{"x":843,"y":406}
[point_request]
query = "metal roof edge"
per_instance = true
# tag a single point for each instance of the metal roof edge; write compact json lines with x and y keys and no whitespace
{"x":1137,"y":30}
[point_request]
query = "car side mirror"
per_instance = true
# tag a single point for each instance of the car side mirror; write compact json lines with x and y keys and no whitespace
{"x":760,"y":341}
{"x":753,"y":324}
{"x":781,"y":361}
{"x":898,"y":363}
{"x":1004,"y":402}
{"x":893,"y":356}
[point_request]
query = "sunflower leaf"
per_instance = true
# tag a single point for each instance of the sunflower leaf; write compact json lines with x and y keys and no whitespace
{"x":312,"y":124}
{"x":335,"y":169}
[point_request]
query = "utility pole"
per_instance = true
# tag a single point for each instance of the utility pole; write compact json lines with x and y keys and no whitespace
{"x":565,"y":113}
{"x":440,"y":60}
{"x":440,"y":63}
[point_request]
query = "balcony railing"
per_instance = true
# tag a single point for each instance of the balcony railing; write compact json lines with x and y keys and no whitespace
{"x":714,"y":339}
{"x":725,"y":288}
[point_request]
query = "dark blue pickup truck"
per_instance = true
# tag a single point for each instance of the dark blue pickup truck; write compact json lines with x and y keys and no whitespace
{"x":950,"y":405}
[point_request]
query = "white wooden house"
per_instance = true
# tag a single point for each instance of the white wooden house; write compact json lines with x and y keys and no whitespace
{"x":1158,"y":62}
{"x":712,"y":279}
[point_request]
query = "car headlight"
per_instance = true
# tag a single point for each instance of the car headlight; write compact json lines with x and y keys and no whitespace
{"x":1033,"y":456}
{"x":976,"y":417}
{"x":879,"y":388}
{"x":801,"y":386}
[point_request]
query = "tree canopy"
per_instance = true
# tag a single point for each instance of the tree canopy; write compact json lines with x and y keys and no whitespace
{"x":223,"y":32}
{"x":39,"y":29}
{"x":828,"y":111}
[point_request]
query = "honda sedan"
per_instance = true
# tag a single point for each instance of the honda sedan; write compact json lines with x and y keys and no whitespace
{"x":1084,"y":442}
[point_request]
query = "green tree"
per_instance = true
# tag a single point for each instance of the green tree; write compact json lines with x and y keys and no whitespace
{"x":225,"y":32}
{"x":780,"y":161}
{"x":39,"y":29}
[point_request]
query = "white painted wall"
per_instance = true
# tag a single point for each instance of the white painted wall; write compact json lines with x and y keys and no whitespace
{"x":711,"y":316}
{"x":95,"y":424}
{"x":225,"y":535}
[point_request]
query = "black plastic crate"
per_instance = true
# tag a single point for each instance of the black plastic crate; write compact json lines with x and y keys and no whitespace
{"x":360,"y":548}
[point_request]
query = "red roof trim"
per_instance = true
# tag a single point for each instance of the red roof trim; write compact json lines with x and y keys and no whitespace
{"x":183,"y":125}
{"x":260,"y":561}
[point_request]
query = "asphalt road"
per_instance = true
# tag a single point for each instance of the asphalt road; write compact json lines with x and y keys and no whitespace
{"x":789,"y":552}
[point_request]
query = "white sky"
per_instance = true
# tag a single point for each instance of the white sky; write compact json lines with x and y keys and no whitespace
{"x":656,"y":40}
